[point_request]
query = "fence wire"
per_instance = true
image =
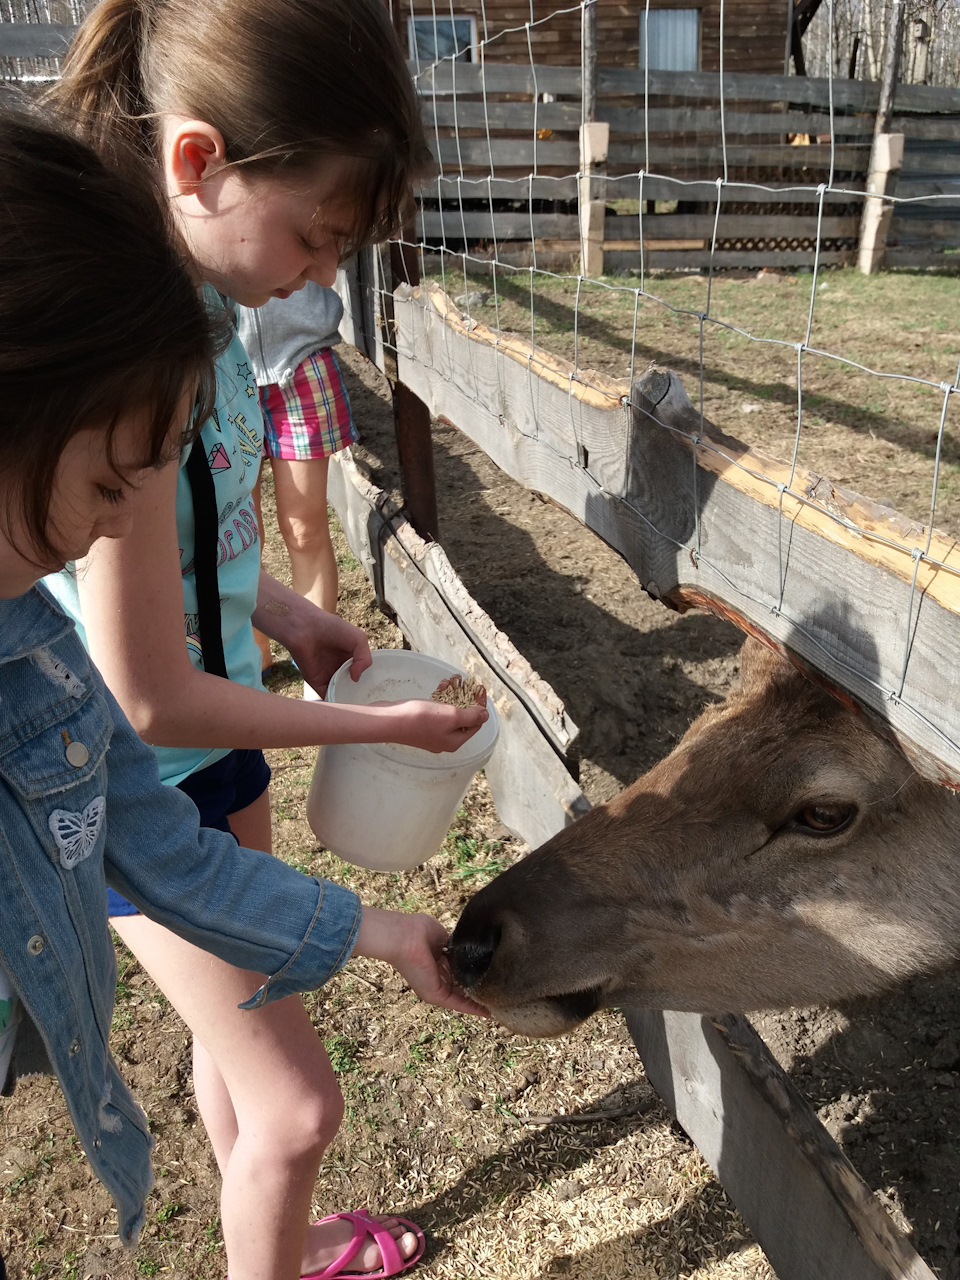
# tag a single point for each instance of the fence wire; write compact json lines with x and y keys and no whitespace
{"x":696,"y":161}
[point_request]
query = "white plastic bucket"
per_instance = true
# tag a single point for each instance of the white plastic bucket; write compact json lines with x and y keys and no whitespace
{"x":385,"y":806}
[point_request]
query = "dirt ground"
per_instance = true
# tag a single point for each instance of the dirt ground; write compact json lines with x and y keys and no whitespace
{"x":490,"y":1141}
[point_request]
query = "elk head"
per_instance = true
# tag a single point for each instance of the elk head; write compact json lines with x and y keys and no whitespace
{"x":784,"y":853}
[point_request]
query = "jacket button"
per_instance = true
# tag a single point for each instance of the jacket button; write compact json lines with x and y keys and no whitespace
{"x":35,"y":945}
{"x":77,"y":755}
{"x":74,"y":1048}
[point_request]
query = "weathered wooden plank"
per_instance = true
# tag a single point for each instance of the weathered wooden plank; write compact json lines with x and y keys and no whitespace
{"x":700,"y":157}
{"x":552,"y":254}
{"x":655,"y":187}
{"x":453,"y":186}
{"x":34,"y":39}
{"x":861,"y":95}
{"x":734,"y":226}
{"x":820,"y":571}
{"x":527,"y":153}
{"x":451,"y":113}
{"x":453,"y":224}
{"x":498,"y":77}
{"x":531,"y":787}
{"x":678,"y":120}
{"x":460,"y":112}
{"x":808,"y":1208}
{"x":505,"y":153}
{"x":923,"y":231}
{"x":897,"y":256}
{"x":931,"y":164}
{"x":732,"y":259}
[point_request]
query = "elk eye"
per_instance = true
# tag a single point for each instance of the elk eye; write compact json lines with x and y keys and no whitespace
{"x":823,"y":819}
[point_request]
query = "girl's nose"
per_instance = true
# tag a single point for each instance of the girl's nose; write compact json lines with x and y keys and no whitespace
{"x":324,"y":269}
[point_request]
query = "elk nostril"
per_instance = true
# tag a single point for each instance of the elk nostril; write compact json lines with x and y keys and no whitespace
{"x":470,"y":957}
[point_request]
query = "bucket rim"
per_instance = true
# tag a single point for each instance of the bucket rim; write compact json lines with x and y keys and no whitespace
{"x":475,"y":755}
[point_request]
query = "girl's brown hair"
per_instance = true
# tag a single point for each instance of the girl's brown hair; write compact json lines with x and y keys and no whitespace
{"x":100,"y":317}
{"x":283,"y":81}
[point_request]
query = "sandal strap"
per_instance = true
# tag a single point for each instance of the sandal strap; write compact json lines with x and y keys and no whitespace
{"x":352,"y":1249}
{"x":391,"y":1262}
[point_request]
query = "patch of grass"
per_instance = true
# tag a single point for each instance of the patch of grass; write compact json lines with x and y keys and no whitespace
{"x":419,"y":1053}
{"x":476,"y":859}
{"x":343,"y":1052}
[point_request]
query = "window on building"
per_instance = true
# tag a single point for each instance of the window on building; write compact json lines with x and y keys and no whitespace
{"x":431,"y":39}
{"x":671,"y":38}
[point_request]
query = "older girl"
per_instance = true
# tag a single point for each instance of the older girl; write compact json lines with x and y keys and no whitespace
{"x":91,"y":413}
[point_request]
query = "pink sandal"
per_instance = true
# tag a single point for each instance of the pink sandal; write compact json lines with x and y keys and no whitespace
{"x":363,"y":1225}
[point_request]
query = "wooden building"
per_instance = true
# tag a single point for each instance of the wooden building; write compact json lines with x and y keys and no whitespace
{"x":680,"y":37}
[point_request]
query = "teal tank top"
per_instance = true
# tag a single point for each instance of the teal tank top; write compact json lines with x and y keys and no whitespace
{"x":233,"y":439}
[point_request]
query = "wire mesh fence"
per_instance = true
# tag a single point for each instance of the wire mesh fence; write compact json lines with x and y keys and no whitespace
{"x":626,"y":185}
{"x":615,"y":189}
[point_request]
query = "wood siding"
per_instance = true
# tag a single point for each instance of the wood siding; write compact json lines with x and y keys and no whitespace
{"x":755,"y":31}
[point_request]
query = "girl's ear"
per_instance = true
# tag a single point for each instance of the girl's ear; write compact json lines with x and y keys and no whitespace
{"x":193,"y":152}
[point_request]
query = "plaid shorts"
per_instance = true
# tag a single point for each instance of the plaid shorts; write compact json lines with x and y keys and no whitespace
{"x":310,"y":417}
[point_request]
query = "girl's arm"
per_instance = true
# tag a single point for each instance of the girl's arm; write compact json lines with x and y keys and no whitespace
{"x":132,"y":604}
{"x":250,"y":909}
{"x":319,"y":642}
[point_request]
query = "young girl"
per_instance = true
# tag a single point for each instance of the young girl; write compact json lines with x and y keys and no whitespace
{"x":306,"y":418}
{"x":89,"y":413}
{"x":285,"y":134}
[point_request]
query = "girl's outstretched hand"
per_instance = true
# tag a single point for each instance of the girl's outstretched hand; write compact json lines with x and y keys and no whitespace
{"x":414,"y":945}
{"x":329,"y":643}
{"x":433,"y":726}
{"x":319,"y":642}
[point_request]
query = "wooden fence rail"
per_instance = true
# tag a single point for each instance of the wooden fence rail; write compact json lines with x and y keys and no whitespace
{"x":670,"y":123}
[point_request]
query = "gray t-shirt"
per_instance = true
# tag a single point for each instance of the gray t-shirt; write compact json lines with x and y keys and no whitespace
{"x":281,"y":334}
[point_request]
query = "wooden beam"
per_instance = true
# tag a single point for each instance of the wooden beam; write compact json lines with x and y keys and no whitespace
{"x":530,"y":783}
{"x":484,"y":186}
{"x":819,"y":571}
{"x":858,"y":95}
{"x":808,"y":1208}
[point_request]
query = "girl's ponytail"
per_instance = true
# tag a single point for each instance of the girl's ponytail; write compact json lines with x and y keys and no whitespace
{"x":101,"y":86}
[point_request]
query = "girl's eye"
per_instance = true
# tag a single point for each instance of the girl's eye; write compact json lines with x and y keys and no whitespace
{"x":113,"y":496}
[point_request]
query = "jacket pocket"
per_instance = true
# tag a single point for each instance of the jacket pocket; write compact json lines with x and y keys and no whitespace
{"x":56,"y":753}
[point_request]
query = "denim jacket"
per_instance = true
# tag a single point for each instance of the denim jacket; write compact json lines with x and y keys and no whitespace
{"x":82,"y":806}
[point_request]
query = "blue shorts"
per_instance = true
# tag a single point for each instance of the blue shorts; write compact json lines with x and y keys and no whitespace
{"x":222,"y":788}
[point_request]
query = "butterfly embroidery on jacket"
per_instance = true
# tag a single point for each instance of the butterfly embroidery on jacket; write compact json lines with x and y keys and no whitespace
{"x":76,"y":833}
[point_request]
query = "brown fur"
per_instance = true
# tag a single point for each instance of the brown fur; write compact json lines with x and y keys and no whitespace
{"x":702,"y":886}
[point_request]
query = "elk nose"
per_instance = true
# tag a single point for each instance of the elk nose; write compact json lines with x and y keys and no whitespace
{"x":470,"y":953}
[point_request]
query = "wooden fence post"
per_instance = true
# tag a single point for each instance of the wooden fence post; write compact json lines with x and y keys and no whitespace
{"x":594,"y":144}
{"x":886,"y":155}
{"x":412,"y":421}
{"x":886,"y":160}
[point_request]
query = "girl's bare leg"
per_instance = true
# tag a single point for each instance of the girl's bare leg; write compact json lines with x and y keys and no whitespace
{"x":301,"y":493}
{"x":266,"y":1092}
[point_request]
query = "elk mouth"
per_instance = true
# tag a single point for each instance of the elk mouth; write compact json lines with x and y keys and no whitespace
{"x":546,"y":1015}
